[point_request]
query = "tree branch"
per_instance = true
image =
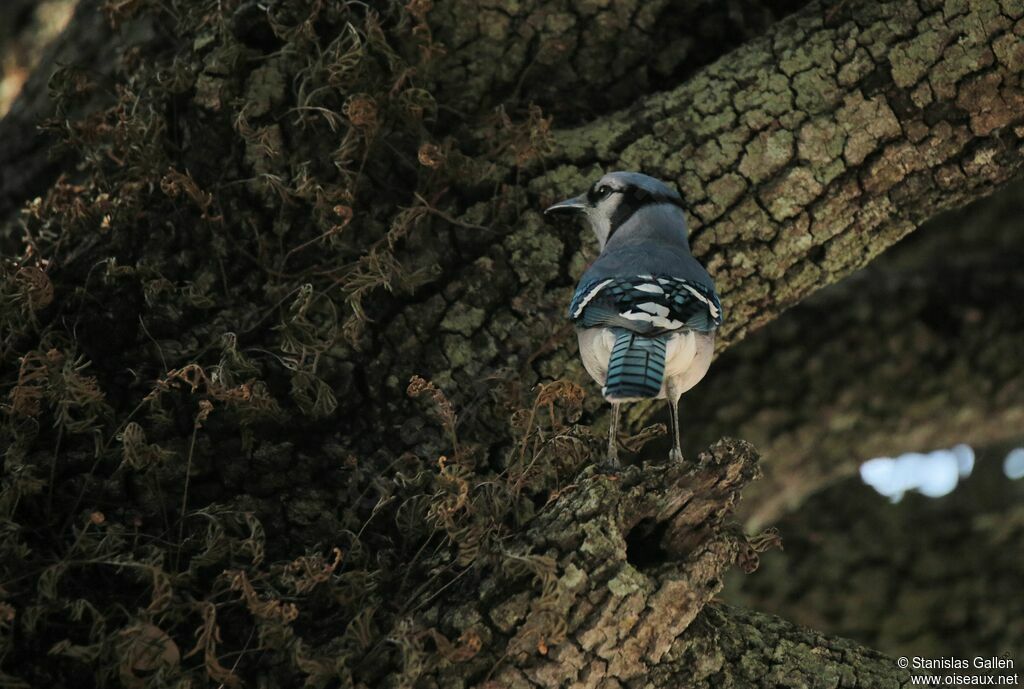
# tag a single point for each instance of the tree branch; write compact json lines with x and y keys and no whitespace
{"x":805,"y":154}
{"x":609,"y":586}
{"x":918,"y":352}
{"x":732,"y":647}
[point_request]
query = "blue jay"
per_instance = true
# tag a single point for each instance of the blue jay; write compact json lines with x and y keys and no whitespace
{"x":646,"y":311}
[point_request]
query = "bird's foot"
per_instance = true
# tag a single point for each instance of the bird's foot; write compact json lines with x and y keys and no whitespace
{"x":611,"y":463}
{"x":675,"y":455}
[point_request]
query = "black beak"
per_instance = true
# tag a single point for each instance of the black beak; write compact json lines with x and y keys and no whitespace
{"x":573,"y":205}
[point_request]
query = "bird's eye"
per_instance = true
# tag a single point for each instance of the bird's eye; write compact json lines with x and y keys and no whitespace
{"x":604,"y":190}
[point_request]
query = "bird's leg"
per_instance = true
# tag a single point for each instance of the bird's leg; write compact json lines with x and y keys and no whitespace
{"x":613,"y":437}
{"x":676,"y":453}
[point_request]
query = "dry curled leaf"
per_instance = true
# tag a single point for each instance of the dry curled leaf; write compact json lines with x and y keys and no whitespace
{"x":144,"y":649}
{"x":431,"y":155}
{"x":361,"y":111}
{"x":37,"y":287}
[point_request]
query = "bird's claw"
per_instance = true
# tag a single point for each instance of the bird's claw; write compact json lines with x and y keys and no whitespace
{"x":610,"y":465}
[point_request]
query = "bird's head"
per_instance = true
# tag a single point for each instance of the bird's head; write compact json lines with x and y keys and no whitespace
{"x":617,"y":197}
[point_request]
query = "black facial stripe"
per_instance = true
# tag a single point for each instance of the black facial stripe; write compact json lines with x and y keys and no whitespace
{"x":666,"y":198}
{"x":629,"y":205}
{"x":633,"y":199}
{"x":594,"y":197}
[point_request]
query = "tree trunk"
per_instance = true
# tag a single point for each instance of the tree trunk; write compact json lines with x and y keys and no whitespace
{"x":272,"y":215}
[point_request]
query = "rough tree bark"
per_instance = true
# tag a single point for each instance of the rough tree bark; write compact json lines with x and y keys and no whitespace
{"x":629,"y":563}
{"x":290,"y":208}
{"x":557,"y":54}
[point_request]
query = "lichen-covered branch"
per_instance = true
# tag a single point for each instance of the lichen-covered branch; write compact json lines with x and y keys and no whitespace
{"x":578,"y":58}
{"x":624,"y":564}
{"x":728,"y":647}
{"x":609,"y":587}
{"x":806,"y":153}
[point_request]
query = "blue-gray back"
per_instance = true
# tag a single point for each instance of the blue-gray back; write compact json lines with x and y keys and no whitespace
{"x":647,"y":281}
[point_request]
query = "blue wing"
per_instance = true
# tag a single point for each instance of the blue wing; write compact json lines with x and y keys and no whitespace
{"x":646,"y":304}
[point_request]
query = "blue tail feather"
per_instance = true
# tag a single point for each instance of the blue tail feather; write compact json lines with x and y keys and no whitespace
{"x":636,"y":366}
